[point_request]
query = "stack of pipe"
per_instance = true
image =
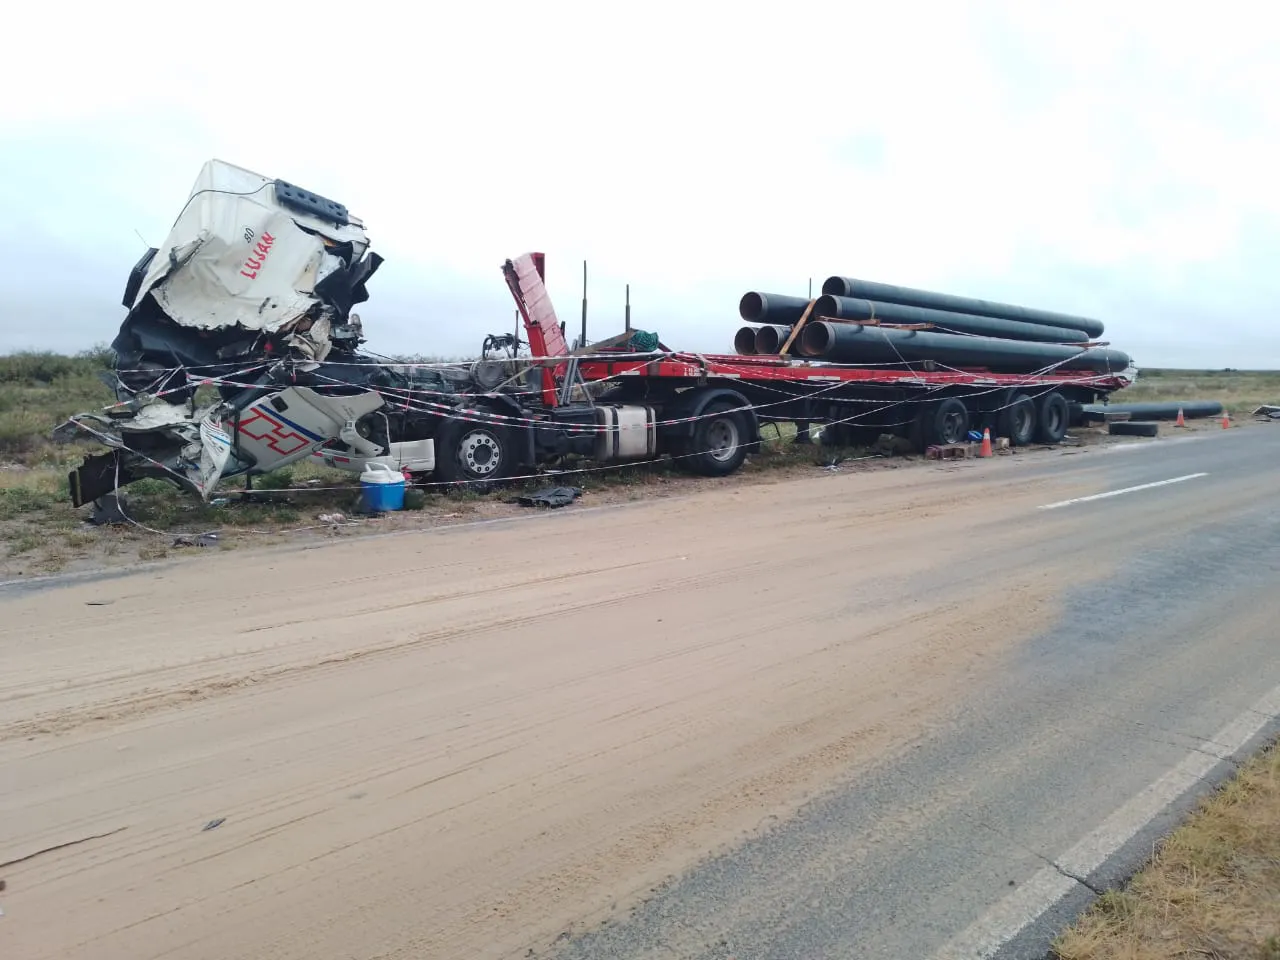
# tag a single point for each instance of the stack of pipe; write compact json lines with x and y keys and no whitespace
{"x":859,"y":321}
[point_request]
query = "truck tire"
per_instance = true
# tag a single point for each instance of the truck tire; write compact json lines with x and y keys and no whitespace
{"x":1017,"y":421}
{"x":949,"y":422}
{"x":719,"y":443}
{"x":472,"y":450}
{"x":1134,"y":428}
{"x":1052,"y":417}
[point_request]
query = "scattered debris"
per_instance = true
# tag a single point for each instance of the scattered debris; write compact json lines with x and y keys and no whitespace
{"x":108,"y":510}
{"x":1267,"y":412}
{"x":197,"y":540}
{"x":213,"y":824}
{"x":950,"y":451}
{"x":550,"y":497}
{"x":334,"y":518}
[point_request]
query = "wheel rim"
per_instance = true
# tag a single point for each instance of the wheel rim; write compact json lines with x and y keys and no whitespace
{"x":953,"y":427}
{"x":1022,"y":420}
{"x":1053,"y":419}
{"x":722,"y":439}
{"x":480,"y":453}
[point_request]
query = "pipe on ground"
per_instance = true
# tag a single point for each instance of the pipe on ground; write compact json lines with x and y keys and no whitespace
{"x":1191,"y":410}
{"x":909,"y":297}
{"x":770,"y":338}
{"x":848,"y":308}
{"x":773,"y":308}
{"x":854,"y":343}
{"x":1134,"y":428}
{"x":744,"y":341}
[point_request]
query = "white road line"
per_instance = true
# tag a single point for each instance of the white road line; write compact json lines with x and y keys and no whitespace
{"x":1153,"y":444}
{"x":1116,"y":493}
{"x":1047,"y":886}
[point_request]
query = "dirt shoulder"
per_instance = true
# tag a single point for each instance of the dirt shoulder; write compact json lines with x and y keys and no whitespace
{"x":467,"y":747}
{"x":42,"y":534}
{"x":1212,"y":889}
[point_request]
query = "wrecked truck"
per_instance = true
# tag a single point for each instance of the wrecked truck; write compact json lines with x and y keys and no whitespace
{"x":251,"y":296}
{"x":240,"y":353}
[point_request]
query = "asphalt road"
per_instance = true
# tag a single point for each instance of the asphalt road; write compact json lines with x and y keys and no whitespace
{"x":905,"y":713}
{"x":1168,"y":635}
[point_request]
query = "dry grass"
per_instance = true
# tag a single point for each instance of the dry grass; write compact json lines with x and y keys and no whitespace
{"x":1212,"y":890}
{"x":1241,"y":391}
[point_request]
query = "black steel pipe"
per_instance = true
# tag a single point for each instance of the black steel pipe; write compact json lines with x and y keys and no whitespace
{"x":1134,"y":428}
{"x":744,"y":341}
{"x":1191,"y":410}
{"x":908,"y":297}
{"x":847,"y":308}
{"x":770,"y":338}
{"x":771,"y":308}
{"x":854,"y":343}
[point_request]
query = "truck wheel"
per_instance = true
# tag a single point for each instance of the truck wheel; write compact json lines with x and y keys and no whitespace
{"x":1018,"y":420}
{"x":1052,"y":418}
{"x":719,"y":442}
{"x":469,"y":450}
{"x":950,"y":422}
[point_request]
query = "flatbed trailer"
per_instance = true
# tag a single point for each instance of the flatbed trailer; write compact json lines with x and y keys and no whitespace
{"x":705,"y":410}
{"x":857,"y":400}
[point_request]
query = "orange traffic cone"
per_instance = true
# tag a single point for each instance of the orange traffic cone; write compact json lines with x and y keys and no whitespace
{"x":1226,"y":420}
{"x":986,"y":441}
{"x":1180,"y":422}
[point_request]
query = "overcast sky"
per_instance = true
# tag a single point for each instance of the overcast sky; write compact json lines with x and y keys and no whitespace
{"x":1113,"y":159}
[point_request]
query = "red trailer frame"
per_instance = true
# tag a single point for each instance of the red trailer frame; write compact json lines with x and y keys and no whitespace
{"x":525,"y":277}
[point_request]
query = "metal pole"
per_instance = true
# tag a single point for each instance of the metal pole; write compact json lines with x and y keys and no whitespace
{"x":628,"y":327}
{"x":583,"y":342}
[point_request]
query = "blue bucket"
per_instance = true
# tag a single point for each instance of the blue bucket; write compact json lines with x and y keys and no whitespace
{"x":381,"y":488}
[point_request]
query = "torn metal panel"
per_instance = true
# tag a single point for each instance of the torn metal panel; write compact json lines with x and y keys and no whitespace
{"x":237,"y":256}
{"x":291,"y":425}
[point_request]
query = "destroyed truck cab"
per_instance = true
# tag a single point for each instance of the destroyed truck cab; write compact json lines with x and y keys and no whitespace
{"x":251,"y":297}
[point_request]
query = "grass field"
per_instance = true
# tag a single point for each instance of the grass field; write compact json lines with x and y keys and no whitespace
{"x":1212,"y":889}
{"x":1240,"y":391}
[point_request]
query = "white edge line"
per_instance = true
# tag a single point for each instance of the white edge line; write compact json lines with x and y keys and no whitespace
{"x":1160,"y":442}
{"x":1047,"y":886}
{"x":1116,"y":493}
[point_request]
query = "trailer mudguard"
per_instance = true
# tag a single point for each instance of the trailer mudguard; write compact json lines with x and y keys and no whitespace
{"x":691,"y":404}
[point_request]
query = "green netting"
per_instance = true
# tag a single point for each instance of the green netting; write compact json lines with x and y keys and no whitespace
{"x":643,"y":341}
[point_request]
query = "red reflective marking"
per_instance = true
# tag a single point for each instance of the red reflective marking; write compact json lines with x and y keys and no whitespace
{"x":274,"y":434}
